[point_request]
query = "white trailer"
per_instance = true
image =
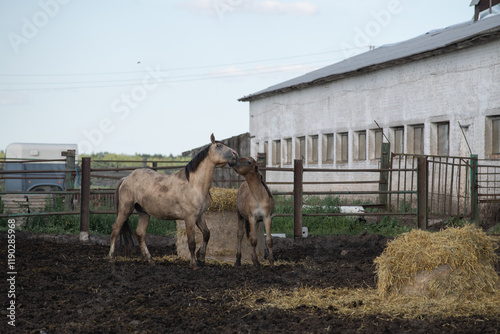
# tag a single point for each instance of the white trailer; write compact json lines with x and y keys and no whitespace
{"x":27,"y":156}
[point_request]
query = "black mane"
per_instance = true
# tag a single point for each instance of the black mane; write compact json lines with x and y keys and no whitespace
{"x":195,"y":162}
{"x":264,"y":184}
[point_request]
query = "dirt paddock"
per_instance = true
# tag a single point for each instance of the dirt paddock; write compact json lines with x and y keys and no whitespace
{"x":64,"y":286}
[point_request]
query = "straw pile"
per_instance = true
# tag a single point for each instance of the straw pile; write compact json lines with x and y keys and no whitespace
{"x":223,"y":199}
{"x":456,"y":262}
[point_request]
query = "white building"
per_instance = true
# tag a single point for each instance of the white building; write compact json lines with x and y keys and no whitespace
{"x":427,"y":94}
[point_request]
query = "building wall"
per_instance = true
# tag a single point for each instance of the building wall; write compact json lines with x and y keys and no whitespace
{"x":461,"y":86}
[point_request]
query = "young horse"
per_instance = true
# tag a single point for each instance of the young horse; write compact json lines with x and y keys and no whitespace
{"x":255,"y":204}
{"x":184,"y":195}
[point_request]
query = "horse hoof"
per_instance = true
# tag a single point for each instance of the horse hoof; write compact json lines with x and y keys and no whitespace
{"x":237,"y":263}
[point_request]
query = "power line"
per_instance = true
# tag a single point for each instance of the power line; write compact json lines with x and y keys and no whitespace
{"x":174,"y":69}
{"x":169,"y":79}
{"x":164,"y":82}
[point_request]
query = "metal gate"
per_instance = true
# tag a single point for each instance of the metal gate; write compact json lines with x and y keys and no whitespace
{"x":449,"y":187}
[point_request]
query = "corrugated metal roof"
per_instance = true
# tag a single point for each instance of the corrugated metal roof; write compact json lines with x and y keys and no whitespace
{"x":432,"y":43}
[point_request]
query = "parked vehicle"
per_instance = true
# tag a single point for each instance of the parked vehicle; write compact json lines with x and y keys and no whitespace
{"x":33,"y":156}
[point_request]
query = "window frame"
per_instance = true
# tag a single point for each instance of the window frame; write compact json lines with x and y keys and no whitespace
{"x":300,"y":148}
{"x":313,"y":149}
{"x":343,"y":147}
{"x":277,"y":152}
{"x":328,"y":148}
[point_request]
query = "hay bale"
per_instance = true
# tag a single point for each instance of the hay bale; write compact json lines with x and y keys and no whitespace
{"x":457,"y":262}
{"x":223,"y":241}
{"x":223,"y":199}
{"x":222,"y":221}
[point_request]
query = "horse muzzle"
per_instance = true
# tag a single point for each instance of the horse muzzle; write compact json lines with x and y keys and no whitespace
{"x":233,"y":159}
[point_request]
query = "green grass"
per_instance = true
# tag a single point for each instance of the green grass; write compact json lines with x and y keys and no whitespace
{"x":99,"y":223}
{"x":328,"y":225}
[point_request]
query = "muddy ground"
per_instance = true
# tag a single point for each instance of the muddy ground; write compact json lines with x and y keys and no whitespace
{"x":64,"y":286}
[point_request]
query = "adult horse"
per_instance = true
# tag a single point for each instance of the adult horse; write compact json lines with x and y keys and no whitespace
{"x":254,"y":204}
{"x":184,"y":195}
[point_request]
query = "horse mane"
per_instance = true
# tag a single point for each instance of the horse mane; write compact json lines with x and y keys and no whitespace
{"x":195,"y":162}
{"x":263,"y":183}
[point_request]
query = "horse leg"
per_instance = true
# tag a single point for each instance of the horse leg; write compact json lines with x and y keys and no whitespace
{"x":202,"y":225}
{"x":253,"y":240}
{"x":190,"y":233}
{"x":269,"y":240}
{"x":117,"y":226}
{"x":142,"y":227}
{"x":240,"y":234}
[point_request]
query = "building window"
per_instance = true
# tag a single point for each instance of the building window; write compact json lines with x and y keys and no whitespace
{"x":266,"y":151}
{"x":328,"y":148}
{"x":277,"y":152}
{"x":300,"y":148}
{"x":399,"y":140}
{"x":418,"y":139}
{"x":495,"y":135}
{"x":362,"y":145}
{"x":343,"y":147}
{"x":313,"y":149}
{"x":443,"y":138}
{"x":379,"y":135}
{"x":288,"y":151}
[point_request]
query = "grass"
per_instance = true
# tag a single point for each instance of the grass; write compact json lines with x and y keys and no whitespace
{"x":328,"y":225}
{"x":99,"y":223}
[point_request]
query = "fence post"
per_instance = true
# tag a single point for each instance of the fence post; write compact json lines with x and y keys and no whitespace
{"x":85,"y":200}
{"x":69,"y":179}
{"x":298,"y":170}
{"x":384,"y":175}
{"x":474,"y":188}
{"x":422,"y":190}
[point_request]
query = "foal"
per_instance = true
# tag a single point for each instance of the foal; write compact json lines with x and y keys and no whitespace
{"x":255,"y":204}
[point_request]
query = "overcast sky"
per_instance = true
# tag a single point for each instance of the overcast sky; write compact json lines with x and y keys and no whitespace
{"x":157,"y":76}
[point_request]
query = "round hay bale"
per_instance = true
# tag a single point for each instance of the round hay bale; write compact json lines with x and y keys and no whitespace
{"x":222,"y":221}
{"x":223,"y":199}
{"x":458,"y":262}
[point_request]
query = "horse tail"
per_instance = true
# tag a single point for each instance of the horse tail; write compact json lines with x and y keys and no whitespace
{"x":126,"y":238}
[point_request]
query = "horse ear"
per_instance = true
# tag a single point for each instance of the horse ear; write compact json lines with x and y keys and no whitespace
{"x":212,"y":138}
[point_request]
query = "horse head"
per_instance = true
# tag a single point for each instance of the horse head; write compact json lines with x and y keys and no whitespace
{"x":221,"y":154}
{"x":246,"y":165}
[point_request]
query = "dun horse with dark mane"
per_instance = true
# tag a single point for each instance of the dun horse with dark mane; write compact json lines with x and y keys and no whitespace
{"x":184,"y":195}
{"x":255,"y":204}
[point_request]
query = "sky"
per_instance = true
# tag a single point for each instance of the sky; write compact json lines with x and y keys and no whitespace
{"x":159,"y":76}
